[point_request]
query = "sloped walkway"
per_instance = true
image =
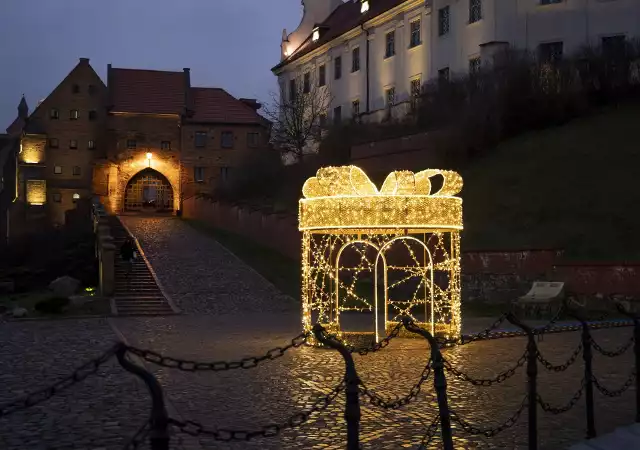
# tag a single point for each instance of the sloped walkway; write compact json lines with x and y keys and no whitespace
{"x":622,"y":438}
{"x":139,"y":294}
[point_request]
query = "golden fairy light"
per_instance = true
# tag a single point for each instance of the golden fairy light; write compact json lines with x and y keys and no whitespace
{"x":391,"y":252}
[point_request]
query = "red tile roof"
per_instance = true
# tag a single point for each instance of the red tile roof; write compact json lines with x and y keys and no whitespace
{"x":345,"y":17}
{"x":146,"y":91}
{"x":217,"y":105}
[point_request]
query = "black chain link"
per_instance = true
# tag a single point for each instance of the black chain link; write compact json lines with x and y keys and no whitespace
{"x":614,"y":353}
{"x":193,"y":428}
{"x":42,"y":395}
{"x":139,"y":437}
{"x":381,"y":402}
{"x":560,"y":367}
{"x":363,"y":351}
{"x":430,"y":434}
{"x":218,"y":366}
{"x":615,"y":392}
{"x":490,"y":432}
{"x":463,"y":340}
{"x":486,"y":381}
{"x":562,"y":409}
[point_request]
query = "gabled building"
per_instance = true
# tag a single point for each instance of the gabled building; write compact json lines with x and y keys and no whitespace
{"x":144,"y":141}
{"x":374,"y":55}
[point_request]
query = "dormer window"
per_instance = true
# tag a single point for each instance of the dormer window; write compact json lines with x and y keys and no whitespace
{"x":316,"y":35}
{"x":364,"y":7}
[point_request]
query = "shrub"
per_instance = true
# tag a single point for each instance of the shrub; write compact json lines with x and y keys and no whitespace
{"x":53,"y":305}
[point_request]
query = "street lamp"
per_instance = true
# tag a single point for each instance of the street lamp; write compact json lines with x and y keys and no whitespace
{"x":149,"y":156}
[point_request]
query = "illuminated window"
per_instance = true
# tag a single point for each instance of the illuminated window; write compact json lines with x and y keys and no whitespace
{"x":131,"y":143}
{"x":73,"y":114}
{"x":198,"y":174}
{"x":54,"y":114}
{"x":53,"y":143}
{"x":73,"y":144}
{"x":76,"y":197}
{"x":57,"y":170}
{"x":57,"y":197}
{"x":165,"y":145}
{"x":253,"y":139}
{"x":200,"y":139}
{"x":364,"y":7}
{"x":475,"y":11}
{"x":36,"y":192}
{"x":77,"y":171}
{"x":322,"y":75}
{"x":93,"y":115}
{"x":91,"y":145}
{"x":227,"y":139}
{"x":415,"y":39}
{"x":337,"y":68}
{"x":390,"y":44}
{"x":355,"y":59}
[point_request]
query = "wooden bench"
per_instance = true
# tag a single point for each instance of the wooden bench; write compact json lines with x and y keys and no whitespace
{"x":543,"y":297}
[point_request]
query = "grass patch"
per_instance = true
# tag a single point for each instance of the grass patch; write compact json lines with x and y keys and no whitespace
{"x":283,"y":272}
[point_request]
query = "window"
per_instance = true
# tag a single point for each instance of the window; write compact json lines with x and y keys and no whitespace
{"x":76,"y":170}
{"x":253,"y":139}
{"x":306,"y":87}
{"x":322,"y":75}
{"x":91,"y":145}
{"x":93,"y":115}
{"x":550,"y":52}
{"x":337,"y":115}
{"x":355,"y":59}
{"x":76,"y":197}
{"x":73,"y":114}
{"x":364,"y":7}
{"x":54,"y":114}
{"x":198,"y":174}
{"x":165,"y":145}
{"x":73,"y":144}
{"x":75,"y":89}
{"x":292,"y":90}
{"x":443,"y":74}
{"x":131,"y":144}
{"x":53,"y":143}
{"x":92,"y":89}
{"x":475,"y":11}
{"x":415,"y":40}
{"x":475,"y":64}
{"x":355,"y":108}
{"x":390,"y":44}
{"x":614,"y":46}
{"x":444,"y":20}
{"x":57,"y":170}
{"x":57,"y":197}
{"x":224,"y":174}
{"x":227,"y":139}
{"x":337,"y":68}
{"x":200,"y":139}
{"x":416,"y":90}
{"x":390,"y":96}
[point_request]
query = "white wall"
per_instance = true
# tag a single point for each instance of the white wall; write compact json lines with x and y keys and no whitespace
{"x":521,"y":23}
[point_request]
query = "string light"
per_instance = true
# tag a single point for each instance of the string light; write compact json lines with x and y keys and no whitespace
{"x":402,"y":233}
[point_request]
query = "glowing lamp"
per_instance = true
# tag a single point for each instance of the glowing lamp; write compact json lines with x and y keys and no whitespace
{"x":149,"y":156}
{"x":316,"y":35}
{"x":364,"y":7}
{"x":401,"y":242}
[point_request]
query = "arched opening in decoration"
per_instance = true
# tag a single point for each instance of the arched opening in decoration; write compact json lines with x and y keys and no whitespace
{"x":148,"y":191}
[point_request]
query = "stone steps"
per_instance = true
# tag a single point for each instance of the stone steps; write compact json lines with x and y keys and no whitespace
{"x":138,"y":294}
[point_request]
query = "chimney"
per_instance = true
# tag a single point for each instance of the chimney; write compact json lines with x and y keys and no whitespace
{"x":84,"y":60}
{"x":188,"y":100}
{"x":109,"y":88}
{"x":251,"y":103}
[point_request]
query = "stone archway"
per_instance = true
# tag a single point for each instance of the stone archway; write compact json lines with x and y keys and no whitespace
{"x":149,"y":191}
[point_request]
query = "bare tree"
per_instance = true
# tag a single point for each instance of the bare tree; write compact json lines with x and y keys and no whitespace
{"x":298,"y":115}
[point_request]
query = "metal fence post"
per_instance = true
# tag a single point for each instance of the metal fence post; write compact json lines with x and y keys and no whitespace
{"x":532,"y":379}
{"x":439,"y":382}
{"x":159,"y":421}
{"x":636,"y":351}
{"x":352,"y":381}
{"x":587,"y":356}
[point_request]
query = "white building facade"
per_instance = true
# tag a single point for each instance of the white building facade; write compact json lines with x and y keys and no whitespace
{"x":373,"y":54}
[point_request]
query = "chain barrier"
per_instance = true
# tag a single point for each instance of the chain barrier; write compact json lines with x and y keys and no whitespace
{"x":42,"y":395}
{"x":617,"y":392}
{"x":363,"y":351}
{"x":463,"y":340}
{"x":193,"y":428}
{"x":139,"y":437}
{"x":379,"y":401}
{"x":546,"y":407}
{"x":432,"y":429}
{"x":614,"y":353}
{"x":487,"y":381}
{"x":490,"y":432}
{"x":218,"y":366}
{"x":560,"y":367}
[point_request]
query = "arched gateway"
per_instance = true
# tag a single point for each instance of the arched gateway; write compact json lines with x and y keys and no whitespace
{"x":148,"y":190}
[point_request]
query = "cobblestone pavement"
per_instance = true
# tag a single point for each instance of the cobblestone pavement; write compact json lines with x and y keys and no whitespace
{"x":231,"y":312}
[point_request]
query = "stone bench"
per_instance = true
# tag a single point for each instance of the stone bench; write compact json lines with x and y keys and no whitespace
{"x":543,"y":297}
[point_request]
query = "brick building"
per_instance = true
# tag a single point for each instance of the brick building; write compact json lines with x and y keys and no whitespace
{"x":144,"y":141}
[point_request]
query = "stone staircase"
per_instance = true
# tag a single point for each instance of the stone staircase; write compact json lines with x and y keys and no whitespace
{"x":139,"y":295}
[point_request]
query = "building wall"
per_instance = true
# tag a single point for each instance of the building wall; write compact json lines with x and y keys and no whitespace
{"x":523,"y":24}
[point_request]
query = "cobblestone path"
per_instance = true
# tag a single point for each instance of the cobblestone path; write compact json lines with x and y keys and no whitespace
{"x":231,"y":312}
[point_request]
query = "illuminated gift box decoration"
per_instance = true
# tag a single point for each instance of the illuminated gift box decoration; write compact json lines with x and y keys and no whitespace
{"x":391,"y":252}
